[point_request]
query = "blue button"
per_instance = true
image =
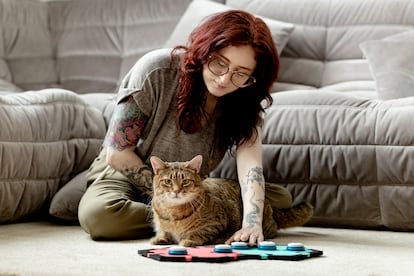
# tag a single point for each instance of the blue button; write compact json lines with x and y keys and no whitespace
{"x":177,"y":250}
{"x":223,"y":248}
{"x":295,"y":246}
{"x":239,"y":245}
{"x":267,"y":245}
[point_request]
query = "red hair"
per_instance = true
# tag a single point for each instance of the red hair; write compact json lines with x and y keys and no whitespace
{"x":240,"y":111}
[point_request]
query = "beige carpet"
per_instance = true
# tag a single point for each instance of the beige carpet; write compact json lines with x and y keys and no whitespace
{"x":42,"y":248}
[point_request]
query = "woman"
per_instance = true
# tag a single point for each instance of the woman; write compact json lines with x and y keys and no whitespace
{"x":204,"y":98}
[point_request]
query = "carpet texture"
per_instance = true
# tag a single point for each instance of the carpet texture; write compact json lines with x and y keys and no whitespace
{"x":44,"y":248}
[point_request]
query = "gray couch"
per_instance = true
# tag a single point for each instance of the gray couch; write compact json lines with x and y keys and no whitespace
{"x":339,"y":134}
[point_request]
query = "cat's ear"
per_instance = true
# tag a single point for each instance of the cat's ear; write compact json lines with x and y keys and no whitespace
{"x":157,"y":164}
{"x":195,"y":163}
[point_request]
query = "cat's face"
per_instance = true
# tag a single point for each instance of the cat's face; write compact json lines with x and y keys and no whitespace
{"x":176,"y":183}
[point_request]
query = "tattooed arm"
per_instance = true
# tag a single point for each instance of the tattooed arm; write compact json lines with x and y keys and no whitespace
{"x":126,"y":127}
{"x":252,"y":184}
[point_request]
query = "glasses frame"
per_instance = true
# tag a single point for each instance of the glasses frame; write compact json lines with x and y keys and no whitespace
{"x":250,"y":79}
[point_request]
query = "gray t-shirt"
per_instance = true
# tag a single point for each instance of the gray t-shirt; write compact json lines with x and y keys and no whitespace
{"x":152,"y":82}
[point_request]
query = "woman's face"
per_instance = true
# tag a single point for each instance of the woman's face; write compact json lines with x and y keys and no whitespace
{"x":240,"y":62}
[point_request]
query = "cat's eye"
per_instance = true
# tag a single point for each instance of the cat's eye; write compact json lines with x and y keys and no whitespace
{"x":167,"y":182}
{"x":186,"y":182}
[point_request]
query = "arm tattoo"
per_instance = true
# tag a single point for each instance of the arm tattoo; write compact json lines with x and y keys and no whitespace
{"x":254,"y":176}
{"x":126,"y":126}
{"x":140,"y":177}
{"x":252,"y":218}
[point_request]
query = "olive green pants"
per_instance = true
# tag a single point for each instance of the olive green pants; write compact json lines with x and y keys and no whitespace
{"x":109,"y":208}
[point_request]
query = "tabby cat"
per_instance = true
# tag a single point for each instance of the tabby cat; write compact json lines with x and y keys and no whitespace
{"x":190,"y":211}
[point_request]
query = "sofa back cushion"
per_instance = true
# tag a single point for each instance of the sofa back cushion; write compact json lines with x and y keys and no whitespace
{"x":98,"y":41}
{"x":26,"y":48}
{"x":323,"y":50}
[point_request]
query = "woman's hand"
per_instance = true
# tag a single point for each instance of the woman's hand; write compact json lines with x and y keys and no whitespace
{"x":251,"y":234}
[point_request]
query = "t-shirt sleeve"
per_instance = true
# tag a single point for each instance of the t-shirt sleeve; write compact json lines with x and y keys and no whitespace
{"x":144,"y":79}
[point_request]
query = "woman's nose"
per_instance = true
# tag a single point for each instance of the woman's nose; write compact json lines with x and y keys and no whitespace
{"x":226,"y":78}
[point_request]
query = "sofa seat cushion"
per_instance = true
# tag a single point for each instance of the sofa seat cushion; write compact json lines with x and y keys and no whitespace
{"x":350,"y":157}
{"x":46,"y":137}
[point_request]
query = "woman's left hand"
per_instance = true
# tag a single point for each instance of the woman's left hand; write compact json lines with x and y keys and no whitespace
{"x":251,"y":234}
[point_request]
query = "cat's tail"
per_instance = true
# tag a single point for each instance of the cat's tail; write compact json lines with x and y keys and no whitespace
{"x":298,"y":215}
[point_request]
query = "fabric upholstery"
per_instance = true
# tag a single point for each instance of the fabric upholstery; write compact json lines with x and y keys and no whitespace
{"x":46,"y":137}
{"x":104,"y":102}
{"x":65,"y":202}
{"x":198,"y":10}
{"x":98,"y":41}
{"x":6,"y":86}
{"x":26,"y":47}
{"x":391,"y":61}
{"x":347,"y":155}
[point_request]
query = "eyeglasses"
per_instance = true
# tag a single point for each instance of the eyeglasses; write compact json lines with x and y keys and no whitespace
{"x":219,"y":67}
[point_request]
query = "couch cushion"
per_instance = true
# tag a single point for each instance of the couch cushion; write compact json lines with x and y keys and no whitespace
{"x":200,"y":9}
{"x":104,"y":102}
{"x":46,"y":137}
{"x":350,"y":157}
{"x":64,"y":205}
{"x":26,"y":47}
{"x":98,"y":41}
{"x":391,"y":61}
{"x":6,"y":86}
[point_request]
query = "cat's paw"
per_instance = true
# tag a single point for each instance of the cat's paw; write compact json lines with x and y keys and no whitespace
{"x":160,"y":241}
{"x":190,"y":243}
{"x":162,"y":238}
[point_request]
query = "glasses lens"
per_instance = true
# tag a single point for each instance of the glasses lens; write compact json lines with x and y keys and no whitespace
{"x":240,"y":79}
{"x":217,"y":66}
